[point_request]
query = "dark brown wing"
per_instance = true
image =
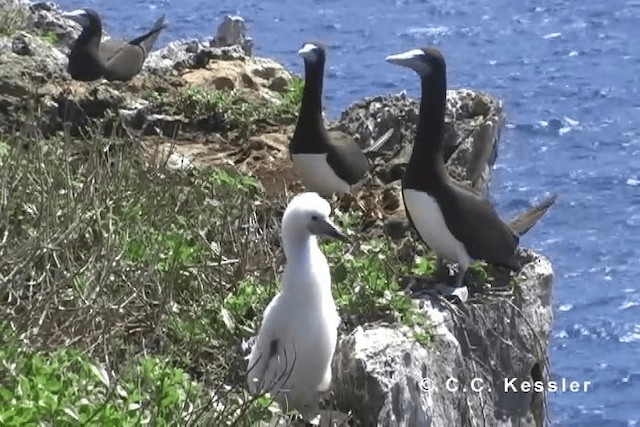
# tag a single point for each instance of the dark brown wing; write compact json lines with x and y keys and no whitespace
{"x":109,"y":48}
{"x":123,"y":60}
{"x":475,"y":223}
{"x":125,"y":64}
{"x":346,"y":158}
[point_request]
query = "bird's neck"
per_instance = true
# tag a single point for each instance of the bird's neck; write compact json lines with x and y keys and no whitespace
{"x":428,"y":150}
{"x":90,"y":37}
{"x":305,"y":261}
{"x":311,"y":105}
{"x":300,"y":248}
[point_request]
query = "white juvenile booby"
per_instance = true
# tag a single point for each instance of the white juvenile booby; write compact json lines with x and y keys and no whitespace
{"x":457,"y":223}
{"x":326,"y":162}
{"x":291,"y":356}
{"x":90,"y":59}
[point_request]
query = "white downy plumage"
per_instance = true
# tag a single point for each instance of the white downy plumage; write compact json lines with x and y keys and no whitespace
{"x":291,"y":357}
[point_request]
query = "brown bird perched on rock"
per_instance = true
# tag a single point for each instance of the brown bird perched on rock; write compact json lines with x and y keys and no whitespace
{"x":91,"y":59}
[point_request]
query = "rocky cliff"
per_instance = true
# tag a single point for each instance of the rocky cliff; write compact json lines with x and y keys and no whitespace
{"x":471,"y":374}
{"x":213,"y":104}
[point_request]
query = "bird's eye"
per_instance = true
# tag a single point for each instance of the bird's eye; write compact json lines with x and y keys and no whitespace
{"x":314,"y":217}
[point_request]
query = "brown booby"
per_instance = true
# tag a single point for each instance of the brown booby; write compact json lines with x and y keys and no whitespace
{"x":460,"y":225}
{"x":90,"y":59}
{"x":326,"y":162}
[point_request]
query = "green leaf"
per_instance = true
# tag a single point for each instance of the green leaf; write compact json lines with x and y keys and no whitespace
{"x":71,"y":412}
{"x":101,"y":374}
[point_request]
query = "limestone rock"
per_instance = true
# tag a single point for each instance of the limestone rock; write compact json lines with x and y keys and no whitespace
{"x":233,"y":32}
{"x":77,"y":108}
{"x":188,"y":54}
{"x":252,"y":73}
{"x":41,"y":19}
{"x":12,"y":80}
{"x":165,"y":125}
{"x":49,"y":59}
{"x":231,"y":43}
{"x":26,"y":77}
{"x":388,"y":379}
{"x":218,"y":67}
{"x":47,"y":18}
{"x":472,"y":128}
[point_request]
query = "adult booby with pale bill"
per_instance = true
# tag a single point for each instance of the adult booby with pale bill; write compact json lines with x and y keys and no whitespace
{"x":92,"y":59}
{"x":326,"y":162}
{"x":457,"y":223}
{"x":291,"y":356}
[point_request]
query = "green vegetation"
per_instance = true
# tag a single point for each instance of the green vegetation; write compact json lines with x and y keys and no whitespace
{"x":133,"y":269}
{"x":483,"y":275}
{"x":366,"y":287}
{"x":64,"y":386}
{"x":50,"y":37}
{"x":424,"y":266}
{"x":366,"y":280}
{"x":291,"y":98}
{"x":226,"y":110}
{"x":127,"y":288}
{"x":479,"y":273}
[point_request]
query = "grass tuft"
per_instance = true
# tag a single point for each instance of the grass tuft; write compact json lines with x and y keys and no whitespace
{"x":50,"y":37}
{"x":116,"y":263}
{"x":226,"y":110}
{"x":13,"y":17}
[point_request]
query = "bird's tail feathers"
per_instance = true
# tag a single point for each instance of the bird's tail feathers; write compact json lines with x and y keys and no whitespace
{"x":527,"y":219}
{"x":147,"y":40}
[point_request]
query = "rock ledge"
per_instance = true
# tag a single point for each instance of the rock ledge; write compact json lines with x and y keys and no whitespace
{"x":386,"y":378}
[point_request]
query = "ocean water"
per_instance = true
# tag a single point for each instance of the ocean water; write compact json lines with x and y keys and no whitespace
{"x":569,"y":74}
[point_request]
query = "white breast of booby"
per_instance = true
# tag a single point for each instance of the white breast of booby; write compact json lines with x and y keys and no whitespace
{"x":316,"y":173}
{"x":429,"y":222}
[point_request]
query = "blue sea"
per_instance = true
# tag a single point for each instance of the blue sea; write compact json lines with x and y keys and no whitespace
{"x":569,"y":74}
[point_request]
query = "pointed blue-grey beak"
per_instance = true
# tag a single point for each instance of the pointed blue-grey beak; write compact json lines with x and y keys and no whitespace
{"x":409,"y":59}
{"x":326,"y":227}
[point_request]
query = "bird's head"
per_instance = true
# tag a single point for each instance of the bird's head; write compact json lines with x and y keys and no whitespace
{"x":312,"y":52}
{"x":423,"y":61}
{"x":308,"y":213}
{"x":87,"y":18}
